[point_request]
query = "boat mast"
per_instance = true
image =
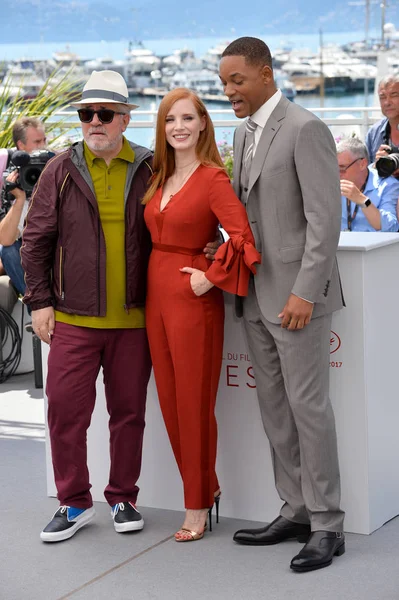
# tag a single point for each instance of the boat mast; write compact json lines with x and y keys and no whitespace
{"x":383,"y":7}
{"x":366,"y":43}
{"x":321,"y":68}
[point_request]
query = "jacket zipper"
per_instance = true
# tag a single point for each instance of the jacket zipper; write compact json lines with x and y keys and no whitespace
{"x":63,"y":184}
{"x":125,"y":306}
{"x":98,"y":266}
{"x":61,"y":290}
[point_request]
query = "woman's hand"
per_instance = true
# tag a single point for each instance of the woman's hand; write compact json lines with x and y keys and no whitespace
{"x":198,"y":281}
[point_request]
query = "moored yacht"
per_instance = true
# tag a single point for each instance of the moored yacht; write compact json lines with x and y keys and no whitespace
{"x":140,"y":62}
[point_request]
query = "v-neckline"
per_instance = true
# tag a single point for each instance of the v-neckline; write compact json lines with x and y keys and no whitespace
{"x":162,"y":210}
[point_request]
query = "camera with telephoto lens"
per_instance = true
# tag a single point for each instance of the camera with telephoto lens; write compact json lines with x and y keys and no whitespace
{"x":386,"y":165}
{"x":29,"y":167}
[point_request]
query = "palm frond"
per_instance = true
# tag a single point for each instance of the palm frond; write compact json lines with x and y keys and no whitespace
{"x":54,"y":95}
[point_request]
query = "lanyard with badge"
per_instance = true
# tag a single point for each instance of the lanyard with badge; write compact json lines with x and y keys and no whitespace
{"x":350,"y":216}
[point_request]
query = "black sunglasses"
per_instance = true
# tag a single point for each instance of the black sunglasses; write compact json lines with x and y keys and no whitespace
{"x":105,"y":115}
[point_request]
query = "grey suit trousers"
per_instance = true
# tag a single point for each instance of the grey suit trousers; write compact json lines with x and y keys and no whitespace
{"x":292,"y":378}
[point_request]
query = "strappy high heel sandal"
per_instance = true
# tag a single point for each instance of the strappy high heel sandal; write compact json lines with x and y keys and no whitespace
{"x":216,"y":504}
{"x":189,"y":536}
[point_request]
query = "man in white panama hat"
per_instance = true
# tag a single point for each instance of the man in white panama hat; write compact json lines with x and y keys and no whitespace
{"x":85,"y":251}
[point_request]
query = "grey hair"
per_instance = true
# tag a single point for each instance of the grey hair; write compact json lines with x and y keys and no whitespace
{"x":123,"y":109}
{"x":354,"y":146}
{"x":388,"y":80}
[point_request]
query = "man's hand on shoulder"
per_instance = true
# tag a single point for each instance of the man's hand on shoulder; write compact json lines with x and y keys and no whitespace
{"x":43,"y":322}
{"x":296,"y":314}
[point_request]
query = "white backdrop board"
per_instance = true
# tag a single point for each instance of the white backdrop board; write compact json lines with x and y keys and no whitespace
{"x":363,"y":389}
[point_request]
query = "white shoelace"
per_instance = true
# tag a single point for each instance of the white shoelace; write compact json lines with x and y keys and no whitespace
{"x":118,"y":507}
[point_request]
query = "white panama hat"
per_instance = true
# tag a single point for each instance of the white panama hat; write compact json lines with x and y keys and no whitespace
{"x":105,"y":86}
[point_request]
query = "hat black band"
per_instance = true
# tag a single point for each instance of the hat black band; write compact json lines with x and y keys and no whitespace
{"x":104,"y":94}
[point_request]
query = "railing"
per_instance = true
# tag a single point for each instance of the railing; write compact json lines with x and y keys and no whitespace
{"x":366,"y":118}
{"x":146,"y":119}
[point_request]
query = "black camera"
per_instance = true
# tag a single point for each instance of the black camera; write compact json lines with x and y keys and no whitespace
{"x":388,"y":164}
{"x":29,"y":168}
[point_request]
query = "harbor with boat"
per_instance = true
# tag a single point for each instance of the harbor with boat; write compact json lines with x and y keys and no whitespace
{"x":332,"y":69}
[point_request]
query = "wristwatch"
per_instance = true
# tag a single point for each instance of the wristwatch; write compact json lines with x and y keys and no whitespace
{"x":366,"y":203}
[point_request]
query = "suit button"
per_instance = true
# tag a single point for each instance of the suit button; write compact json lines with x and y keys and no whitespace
{"x":245,"y":189}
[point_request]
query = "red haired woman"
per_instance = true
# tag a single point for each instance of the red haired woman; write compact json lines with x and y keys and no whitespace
{"x":189,"y":194}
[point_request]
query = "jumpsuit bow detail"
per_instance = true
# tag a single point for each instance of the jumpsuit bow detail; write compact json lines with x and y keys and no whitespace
{"x":227,"y":272}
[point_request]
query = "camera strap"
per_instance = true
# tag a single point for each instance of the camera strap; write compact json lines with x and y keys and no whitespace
{"x":387,"y":134}
{"x":388,"y":140}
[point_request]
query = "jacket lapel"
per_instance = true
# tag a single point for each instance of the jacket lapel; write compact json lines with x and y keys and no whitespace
{"x":80,"y":173}
{"x":271,"y":128}
{"x":239,"y":139}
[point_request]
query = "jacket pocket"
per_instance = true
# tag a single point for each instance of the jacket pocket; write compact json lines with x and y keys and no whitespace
{"x":187,"y":286}
{"x":273,"y":170}
{"x":291,"y":253}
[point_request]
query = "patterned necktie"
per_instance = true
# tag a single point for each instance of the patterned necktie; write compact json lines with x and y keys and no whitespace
{"x":250,"y":127}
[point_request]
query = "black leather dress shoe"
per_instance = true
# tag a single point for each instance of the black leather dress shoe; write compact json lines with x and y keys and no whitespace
{"x":277,"y":531}
{"x":319,"y":551}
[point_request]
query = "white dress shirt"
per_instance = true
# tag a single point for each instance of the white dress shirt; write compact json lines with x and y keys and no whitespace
{"x":261,"y":116}
{"x":22,"y":219}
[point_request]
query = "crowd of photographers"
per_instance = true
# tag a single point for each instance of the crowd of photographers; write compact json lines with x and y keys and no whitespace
{"x":369,"y":174}
{"x":21,"y":168}
{"x":369,"y":171}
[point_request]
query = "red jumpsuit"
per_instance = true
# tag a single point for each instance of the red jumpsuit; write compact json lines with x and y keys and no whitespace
{"x":185,"y":331}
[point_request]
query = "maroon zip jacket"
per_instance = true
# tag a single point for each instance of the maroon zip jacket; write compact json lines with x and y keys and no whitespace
{"x":63,"y":249}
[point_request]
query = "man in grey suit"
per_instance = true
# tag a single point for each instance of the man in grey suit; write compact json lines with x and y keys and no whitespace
{"x":286,"y":172}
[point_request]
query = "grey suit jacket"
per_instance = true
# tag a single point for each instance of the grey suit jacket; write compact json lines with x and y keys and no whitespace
{"x":294,"y":208}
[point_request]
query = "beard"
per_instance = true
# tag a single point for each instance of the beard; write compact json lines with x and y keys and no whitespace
{"x":103,"y":143}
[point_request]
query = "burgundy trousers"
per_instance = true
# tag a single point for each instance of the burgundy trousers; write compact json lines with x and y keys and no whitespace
{"x":76,"y":355}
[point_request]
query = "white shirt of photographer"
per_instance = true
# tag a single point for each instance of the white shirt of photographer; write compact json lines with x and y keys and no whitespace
{"x":22,"y":219}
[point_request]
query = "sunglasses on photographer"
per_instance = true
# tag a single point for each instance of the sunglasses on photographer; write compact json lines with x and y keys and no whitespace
{"x":105,"y":115}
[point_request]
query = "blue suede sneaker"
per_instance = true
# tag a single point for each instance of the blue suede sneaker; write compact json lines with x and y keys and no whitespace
{"x":126,"y":517}
{"x":65,"y":523}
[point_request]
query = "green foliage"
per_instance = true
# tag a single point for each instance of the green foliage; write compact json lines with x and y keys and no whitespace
{"x":52,"y":97}
{"x":226,"y":152}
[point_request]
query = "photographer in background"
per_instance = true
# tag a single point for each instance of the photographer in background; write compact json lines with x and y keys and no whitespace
{"x":368,"y":200}
{"x":383,"y":137}
{"x":28,"y":135}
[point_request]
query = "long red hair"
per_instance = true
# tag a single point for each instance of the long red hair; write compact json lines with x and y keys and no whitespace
{"x":164,"y":155}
